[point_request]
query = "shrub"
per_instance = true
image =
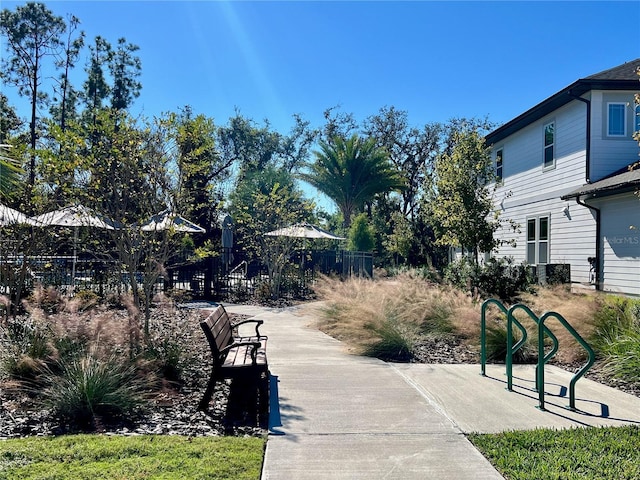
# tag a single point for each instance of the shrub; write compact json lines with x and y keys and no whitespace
{"x":170,"y":334}
{"x":623,"y":357}
{"x":26,"y":344}
{"x":361,"y":235}
{"x":617,"y":338}
{"x":496,"y":278}
{"x":615,"y":317}
{"x":49,"y":299}
{"x":394,"y":343}
{"x":85,"y":391}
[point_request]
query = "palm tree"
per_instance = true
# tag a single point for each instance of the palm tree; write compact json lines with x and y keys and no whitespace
{"x":9,"y":172}
{"x":351,"y":173}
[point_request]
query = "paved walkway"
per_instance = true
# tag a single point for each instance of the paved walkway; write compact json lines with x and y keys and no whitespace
{"x":340,"y":416}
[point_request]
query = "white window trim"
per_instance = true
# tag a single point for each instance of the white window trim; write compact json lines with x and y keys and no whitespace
{"x":624,"y":120}
{"x":553,"y":145}
{"x":536,"y":241}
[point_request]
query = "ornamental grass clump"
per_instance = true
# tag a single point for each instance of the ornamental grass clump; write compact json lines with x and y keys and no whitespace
{"x":86,"y":391}
{"x":394,"y":341}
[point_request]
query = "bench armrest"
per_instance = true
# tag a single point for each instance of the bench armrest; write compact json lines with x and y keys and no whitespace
{"x":257,"y":322}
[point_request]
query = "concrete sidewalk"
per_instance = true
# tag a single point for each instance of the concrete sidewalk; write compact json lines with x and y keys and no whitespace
{"x":340,"y":416}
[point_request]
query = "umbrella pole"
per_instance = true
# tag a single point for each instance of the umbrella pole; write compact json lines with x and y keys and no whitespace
{"x":75,"y":256}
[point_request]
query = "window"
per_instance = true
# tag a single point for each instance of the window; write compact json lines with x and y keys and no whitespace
{"x":616,"y":119}
{"x":549,"y":144}
{"x":499,"y":166}
{"x":636,"y":121}
{"x":538,"y":240}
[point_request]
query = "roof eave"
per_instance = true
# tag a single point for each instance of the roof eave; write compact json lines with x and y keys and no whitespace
{"x":604,"y":191}
{"x":564,"y":96}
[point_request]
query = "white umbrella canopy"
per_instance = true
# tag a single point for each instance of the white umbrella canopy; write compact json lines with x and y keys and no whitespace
{"x":303,"y":230}
{"x":76,"y":216}
{"x":9,"y":216}
{"x":167,"y":220}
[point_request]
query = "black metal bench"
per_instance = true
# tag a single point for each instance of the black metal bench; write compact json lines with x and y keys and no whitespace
{"x":235,"y":357}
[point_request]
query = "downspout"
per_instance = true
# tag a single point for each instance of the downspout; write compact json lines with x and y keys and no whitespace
{"x":597,"y":261}
{"x":587,"y":169}
{"x":587,"y":174}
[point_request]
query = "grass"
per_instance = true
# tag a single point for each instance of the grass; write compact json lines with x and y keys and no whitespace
{"x":141,"y":457}
{"x":379,"y":317}
{"x":605,"y":452}
{"x":365,"y":313}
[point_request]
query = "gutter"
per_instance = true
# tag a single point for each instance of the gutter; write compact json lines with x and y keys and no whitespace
{"x":597,"y":260}
{"x":587,"y":168}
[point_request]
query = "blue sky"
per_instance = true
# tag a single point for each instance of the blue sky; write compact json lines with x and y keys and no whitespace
{"x":436,"y":60}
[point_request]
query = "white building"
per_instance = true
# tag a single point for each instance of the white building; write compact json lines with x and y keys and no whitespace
{"x":565,"y":180}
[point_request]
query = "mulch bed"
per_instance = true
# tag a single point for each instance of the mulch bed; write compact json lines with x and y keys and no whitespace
{"x":172,"y":409}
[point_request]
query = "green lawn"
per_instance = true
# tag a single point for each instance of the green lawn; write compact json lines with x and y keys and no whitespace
{"x":580,"y":453}
{"x":140,"y":457}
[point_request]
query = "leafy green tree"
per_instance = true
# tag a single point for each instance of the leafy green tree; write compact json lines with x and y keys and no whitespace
{"x":262,"y":202}
{"x":461,"y":207}
{"x":201,"y":170}
{"x":96,"y":87}
{"x":351,"y":173}
{"x":361,"y":236}
{"x":32,"y":34}
{"x":125,"y":68}
{"x":66,"y":97}
{"x":10,"y":123}
{"x":411,"y":150}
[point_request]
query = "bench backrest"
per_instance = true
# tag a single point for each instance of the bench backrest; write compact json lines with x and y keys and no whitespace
{"x":217,"y":328}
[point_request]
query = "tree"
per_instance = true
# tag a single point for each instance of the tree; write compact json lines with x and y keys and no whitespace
{"x":201,"y":170}
{"x":33,"y":34}
{"x":251,"y":147}
{"x":413,"y":152}
{"x":9,"y":120}
{"x":262,"y":202}
{"x":125,"y":68}
{"x":9,"y":172}
{"x":351,"y":173}
{"x":67,"y":97}
{"x":361,"y":237}
{"x":461,"y":207}
{"x":96,"y":88}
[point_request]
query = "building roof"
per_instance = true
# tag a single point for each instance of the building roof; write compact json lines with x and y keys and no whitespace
{"x":624,"y":180}
{"x":622,"y":77}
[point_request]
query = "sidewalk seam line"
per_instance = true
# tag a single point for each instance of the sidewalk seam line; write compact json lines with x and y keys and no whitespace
{"x":425,"y":394}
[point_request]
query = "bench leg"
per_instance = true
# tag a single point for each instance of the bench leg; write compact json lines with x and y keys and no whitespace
{"x":208,"y":393}
{"x":264,"y":393}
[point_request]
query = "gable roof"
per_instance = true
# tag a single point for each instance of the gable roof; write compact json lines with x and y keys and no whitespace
{"x":624,"y":180}
{"x":622,"y":77}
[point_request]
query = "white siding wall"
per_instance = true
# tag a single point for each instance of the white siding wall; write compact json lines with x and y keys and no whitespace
{"x":529,"y":191}
{"x":572,"y":237}
{"x":609,"y":154}
{"x":621,"y":243}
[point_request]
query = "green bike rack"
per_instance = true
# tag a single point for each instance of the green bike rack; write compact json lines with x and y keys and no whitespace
{"x":511,"y":349}
{"x":546,"y":331}
{"x":540,"y":367}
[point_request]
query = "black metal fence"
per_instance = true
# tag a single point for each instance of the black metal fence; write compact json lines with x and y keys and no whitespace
{"x":213,"y":278}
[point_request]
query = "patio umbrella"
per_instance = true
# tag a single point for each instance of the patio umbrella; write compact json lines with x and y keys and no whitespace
{"x":9,"y":216}
{"x":75,"y":216}
{"x":303,"y":230}
{"x":166,"y":220}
